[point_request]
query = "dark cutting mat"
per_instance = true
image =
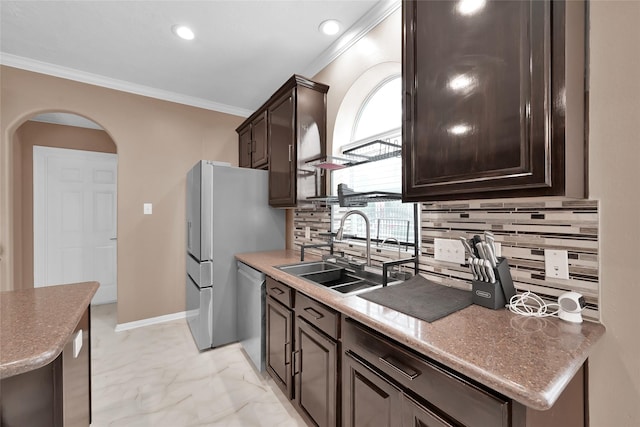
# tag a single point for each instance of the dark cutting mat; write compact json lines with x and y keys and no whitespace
{"x":420,"y":298}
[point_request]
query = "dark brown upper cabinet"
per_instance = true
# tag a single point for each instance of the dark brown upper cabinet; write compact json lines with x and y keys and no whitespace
{"x":494,"y":99}
{"x":244,"y":146}
{"x":284,"y":134}
{"x":252,"y":142}
{"x":297,"y":135}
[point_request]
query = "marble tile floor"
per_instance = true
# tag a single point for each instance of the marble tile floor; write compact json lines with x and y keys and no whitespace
{"x":155,"y":376}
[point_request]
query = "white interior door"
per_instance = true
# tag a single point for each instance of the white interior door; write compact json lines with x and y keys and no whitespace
{"x":75,"y":219}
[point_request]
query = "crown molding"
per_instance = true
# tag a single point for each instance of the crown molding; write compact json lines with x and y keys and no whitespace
{"x":109,"y":83}
{"x":362,"y":26}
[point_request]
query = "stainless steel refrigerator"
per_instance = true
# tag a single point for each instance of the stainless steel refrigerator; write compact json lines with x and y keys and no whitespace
{"x":227,"y":213}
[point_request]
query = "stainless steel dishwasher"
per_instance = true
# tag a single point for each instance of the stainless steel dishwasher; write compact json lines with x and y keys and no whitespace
{"x":251,"y":313}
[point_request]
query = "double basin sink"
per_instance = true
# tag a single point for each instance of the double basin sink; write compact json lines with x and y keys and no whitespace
{"x":336,"y":277}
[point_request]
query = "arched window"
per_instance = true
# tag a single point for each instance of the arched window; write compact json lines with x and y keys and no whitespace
{"x":376,"y":131}
{"x":381,"y":112}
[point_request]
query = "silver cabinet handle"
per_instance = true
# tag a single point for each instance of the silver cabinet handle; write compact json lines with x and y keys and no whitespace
{"x":113,"y":238}
{"x":297,"y":362}
{"x":287,"y":353}
{"x":399,"y":367}
{"x":315,"y":313}
{"x":290,"y":151}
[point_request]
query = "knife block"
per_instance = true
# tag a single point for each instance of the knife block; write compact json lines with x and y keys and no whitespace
{"x":494,"y":295}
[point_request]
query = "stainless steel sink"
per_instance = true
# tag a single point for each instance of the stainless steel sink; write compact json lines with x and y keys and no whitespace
{"x":329,"y":278}
{"x":335,"y":277}
{"x":308,"y":267}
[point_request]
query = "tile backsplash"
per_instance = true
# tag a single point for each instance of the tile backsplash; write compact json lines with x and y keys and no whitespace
{"x":523,"y":227}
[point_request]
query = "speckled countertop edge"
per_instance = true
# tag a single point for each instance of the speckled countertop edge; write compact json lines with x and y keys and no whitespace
{"x":529,"y":360}
{"x":35,"y":324}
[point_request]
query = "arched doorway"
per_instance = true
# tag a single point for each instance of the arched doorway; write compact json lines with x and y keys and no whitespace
{"x":66,"y":140}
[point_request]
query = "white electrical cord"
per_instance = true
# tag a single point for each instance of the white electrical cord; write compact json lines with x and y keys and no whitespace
{"x":531,"y":305}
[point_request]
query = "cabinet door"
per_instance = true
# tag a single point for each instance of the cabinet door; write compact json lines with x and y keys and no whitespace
{"x":260,"y":148}
{"x":316,"y":375}
{"x":416,"y":415}
{"x":282,"y":183}
{"x":311,"y":116}
{"x":279,"y":335}
{"x":244,"y":148}
{"x":482,"y":104}
{"x":367,"y":398}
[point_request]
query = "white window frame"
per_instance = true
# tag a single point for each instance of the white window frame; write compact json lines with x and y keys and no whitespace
{"x":395,"y":133}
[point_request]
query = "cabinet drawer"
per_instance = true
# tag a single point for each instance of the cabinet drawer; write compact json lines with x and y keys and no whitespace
{"x":280,"y":292}
{"x":458,"y":397}
{"x":318,"y":315}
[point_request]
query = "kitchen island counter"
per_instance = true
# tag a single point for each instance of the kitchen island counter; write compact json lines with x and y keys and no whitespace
{"x":35,"y":324}
{"x":530,"y":360}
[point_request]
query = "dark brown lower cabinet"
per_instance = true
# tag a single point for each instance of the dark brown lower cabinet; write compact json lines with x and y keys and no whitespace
{"x":303,"y":353}
{"x":367,"y":398}
{"x":372,"y":400}
{"x":55,"y":395}
{"x":278,"y":340}
{"x":416,"y":415}
{"x":387,"y":384}
{"x":316,"y":375}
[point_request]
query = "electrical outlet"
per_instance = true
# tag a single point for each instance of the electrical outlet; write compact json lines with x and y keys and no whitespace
{"x":556,"y":263}
{"x":449,"y":250}
{"x":147,"y":209}
{"x":307,"y":232}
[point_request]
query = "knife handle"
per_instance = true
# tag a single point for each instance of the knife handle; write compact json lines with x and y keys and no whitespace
{"x":484,"y":276}
{"x":491,"y":256}
{"x":466,"y":245}
{"x":490,"y":239}
{"x":489,"y":269}
{"x":472,"y":268}
{"x":480,"y":248}
{"x":474,"y":244}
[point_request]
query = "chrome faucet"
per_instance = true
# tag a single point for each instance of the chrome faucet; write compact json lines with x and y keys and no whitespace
{"x":366,"y":221}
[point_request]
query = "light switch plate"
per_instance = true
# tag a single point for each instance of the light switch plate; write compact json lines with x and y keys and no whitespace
{"x":449,"y":250}
{"x":556,"y":263}
{"x":148,"y":208}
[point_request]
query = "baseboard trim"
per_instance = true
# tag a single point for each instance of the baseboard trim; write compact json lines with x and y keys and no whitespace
{"x":150,"y":321}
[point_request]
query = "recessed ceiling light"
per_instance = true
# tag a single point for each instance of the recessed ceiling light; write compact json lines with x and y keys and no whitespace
{"x":183,"y":32}
{"x":329,"y":27}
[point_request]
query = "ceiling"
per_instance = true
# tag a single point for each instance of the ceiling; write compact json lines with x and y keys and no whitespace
{"x":242,"y":52}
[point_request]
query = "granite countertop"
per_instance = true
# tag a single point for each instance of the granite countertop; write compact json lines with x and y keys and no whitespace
{"x":530,"y":360}
{"x":35,"y":324}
